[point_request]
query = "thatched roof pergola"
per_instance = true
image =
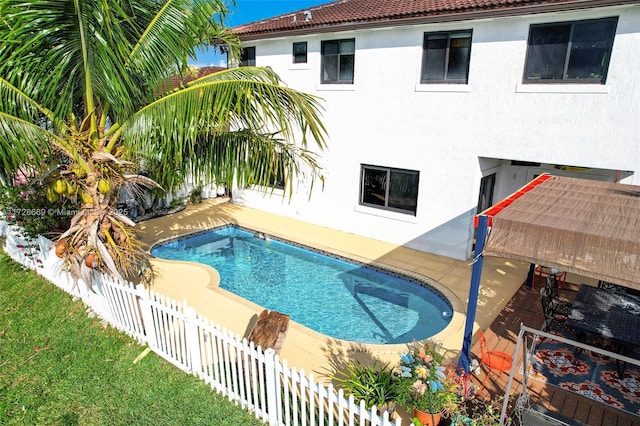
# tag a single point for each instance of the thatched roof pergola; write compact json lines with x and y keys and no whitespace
{"x":587,"y":227}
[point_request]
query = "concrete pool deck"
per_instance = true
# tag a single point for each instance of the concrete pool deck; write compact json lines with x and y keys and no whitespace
{"x":304,"y":348}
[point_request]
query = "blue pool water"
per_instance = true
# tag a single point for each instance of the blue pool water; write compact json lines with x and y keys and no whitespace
{"x":330,"y":296}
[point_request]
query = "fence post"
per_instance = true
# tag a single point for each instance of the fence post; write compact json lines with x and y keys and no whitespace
{"x":193,"y":340}
{"x":147,"y":317}
{"x":270,"y":385}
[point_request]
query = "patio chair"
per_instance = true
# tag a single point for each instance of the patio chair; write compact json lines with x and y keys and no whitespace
{"x":559,"y":306}
{"x":555,"y":314}
{"x":496,"y":362}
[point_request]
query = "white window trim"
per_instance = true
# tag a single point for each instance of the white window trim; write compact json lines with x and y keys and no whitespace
{"x":443,"y":87}
{"x":299,"y":66}
{"x":562,"y":88}
{"x":343,"y":87}
{"x":387,"y":214}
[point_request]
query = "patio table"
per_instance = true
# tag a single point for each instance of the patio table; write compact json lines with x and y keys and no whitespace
{"x":607,"y":314}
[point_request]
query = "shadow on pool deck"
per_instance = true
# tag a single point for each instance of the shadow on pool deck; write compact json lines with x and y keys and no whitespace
{"x":304,"y":348}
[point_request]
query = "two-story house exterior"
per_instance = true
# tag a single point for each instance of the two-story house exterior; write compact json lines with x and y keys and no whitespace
{"x":435,"y":110}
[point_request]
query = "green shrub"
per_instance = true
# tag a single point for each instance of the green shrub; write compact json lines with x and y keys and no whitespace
{"x":369,"y":383}
{"x":195,"y":196}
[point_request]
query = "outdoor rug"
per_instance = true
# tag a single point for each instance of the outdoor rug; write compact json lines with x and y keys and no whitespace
{"x":592,"y":375}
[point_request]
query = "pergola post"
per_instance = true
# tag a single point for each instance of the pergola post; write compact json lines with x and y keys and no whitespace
{"x":472,"y":304}
{"x":530,"y":276}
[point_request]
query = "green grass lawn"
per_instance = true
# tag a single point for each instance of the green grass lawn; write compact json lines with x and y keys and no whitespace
{"x":60,"y":367}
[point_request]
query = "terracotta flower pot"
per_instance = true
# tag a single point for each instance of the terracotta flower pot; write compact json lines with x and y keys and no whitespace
{"x":427,"y":419}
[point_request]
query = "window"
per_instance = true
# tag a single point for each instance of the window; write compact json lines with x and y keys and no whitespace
{"x":274,"y":173}
{"x":248,"y":57}
{"x":276,"y":177}
{"x":338,"y":59}
{"x":445,"y":57}
{"x":300,"y":52}
{"x":389,"y":189}
{"x":570,"y":52}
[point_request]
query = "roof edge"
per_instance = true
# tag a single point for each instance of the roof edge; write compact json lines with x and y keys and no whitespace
{"x":501,"y":205}
{"x":453,"y":16}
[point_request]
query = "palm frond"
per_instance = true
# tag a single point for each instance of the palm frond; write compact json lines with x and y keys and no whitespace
{"x":244,"y":157}
{"x":44,"y":52}
{"x":22,"y":142}
{"x":104,"y":39}
{"x":15,"y":102}
{"x":242,"y":98}
{"x":240,"y":104}
{"x":173,"y":34}
{"x":57,"y":53}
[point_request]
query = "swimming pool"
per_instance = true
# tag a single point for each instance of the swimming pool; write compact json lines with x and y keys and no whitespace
{"x":331,"y":296}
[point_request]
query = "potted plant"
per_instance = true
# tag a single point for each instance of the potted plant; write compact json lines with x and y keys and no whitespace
{"x":195,"y":196}
{"x":372,"y":384}
{"x":478,"y":412}
{"x":422,"y":386}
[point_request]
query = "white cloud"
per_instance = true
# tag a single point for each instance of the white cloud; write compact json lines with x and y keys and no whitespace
{"x":208,"y":58}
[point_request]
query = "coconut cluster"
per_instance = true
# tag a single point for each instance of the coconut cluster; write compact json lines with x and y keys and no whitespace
{"x":99,"y":238}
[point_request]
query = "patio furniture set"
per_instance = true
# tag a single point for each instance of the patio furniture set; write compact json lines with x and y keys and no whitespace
{"x":605,"y":316}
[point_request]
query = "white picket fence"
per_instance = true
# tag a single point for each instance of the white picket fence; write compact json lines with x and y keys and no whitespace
{"x":254,"y":379}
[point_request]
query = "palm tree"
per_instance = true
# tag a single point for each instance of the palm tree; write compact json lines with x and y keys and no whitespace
{"x":84,"y":101}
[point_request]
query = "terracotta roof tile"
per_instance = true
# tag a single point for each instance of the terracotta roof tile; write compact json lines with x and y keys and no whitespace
{"x":177,"y":81}
{"x":343,"y":12}
{"x":180,"y":80}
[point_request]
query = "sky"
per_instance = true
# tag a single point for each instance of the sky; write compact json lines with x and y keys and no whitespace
{"x":249,"y":11}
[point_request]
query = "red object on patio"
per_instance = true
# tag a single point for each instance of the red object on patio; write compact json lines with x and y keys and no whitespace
{"x":496,"y":362}
{"x":542,"y":272}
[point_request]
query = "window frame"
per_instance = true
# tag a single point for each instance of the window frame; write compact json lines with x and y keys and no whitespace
{"x":388,"y":170}
{"x":564,"y":79}
{"x":423,"y":63}
{"x":486,"y":192}
{"x":277,"y":178}
{"x":323,"y":43}
{"x":250,"y":53}
{"x":295,"y":56}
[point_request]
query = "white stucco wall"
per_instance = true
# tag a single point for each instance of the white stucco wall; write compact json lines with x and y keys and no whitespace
{"x":455,"y":134}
